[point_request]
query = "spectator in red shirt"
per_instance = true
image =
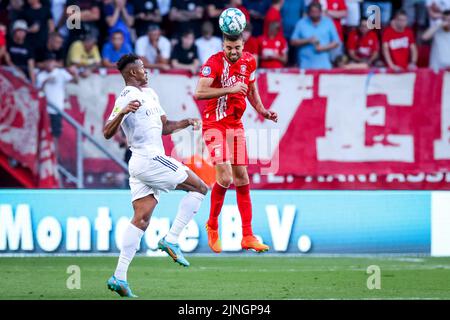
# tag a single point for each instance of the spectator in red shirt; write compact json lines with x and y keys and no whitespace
{"x":238,"y":4}
{"x":251,"y":43}
{"x":399,"y":47}
{"x":273,"y":48}
{"x":2,"y":43}
{"x":337,"y":10}
{"x":363,"y":44}
{"x":273,"y":15}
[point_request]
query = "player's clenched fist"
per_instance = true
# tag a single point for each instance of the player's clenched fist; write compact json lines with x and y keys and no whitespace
{"x":239,"y":87}
{"x":270,"y":115}
{"x":133,"y":106}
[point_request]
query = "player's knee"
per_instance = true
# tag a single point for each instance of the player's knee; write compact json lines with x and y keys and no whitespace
{"x":203,"y":188}
{"x":225,"y":181}
{"x":241,"y":180}
{"x":142,"y":215}
{"x":141,"y":221}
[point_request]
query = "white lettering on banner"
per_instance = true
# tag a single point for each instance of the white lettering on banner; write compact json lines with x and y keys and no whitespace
{"x":347,"y":115}
{"x":16,"y":231}
{"x":292,"y":89}
{"x":343,"y":178}
{"x":103,"y":225}
{"x":78,"y":234}
{"x":177,"y":99}
{"x":189,"y":237}
{"x":442,"y":146}
{"x":92,"y":94}
{"x":280,"y":227}
{"x":231,"y":223}
{"x":121,"y":225}
{"x":157,"y":229}
{"x":373,"y":178}
{"x":49,"y":234}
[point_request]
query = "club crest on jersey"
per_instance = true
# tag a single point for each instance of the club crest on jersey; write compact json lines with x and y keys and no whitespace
{"x":243,"y":68}
{"x":206,"y":71}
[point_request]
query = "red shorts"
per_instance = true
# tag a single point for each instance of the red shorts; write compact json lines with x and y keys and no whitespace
{"x":225,"y":141}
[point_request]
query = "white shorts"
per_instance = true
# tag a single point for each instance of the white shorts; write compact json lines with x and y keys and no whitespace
{"x":153,"y":175}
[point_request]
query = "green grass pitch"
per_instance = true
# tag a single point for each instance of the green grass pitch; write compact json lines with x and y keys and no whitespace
{"x":225,"y":277}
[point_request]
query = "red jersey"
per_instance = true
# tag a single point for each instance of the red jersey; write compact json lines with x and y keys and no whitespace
{"x":272,"y":15}
{"x":245,"y":12}
{"x":364,"y":45}
{"x":2,"y":36}
{"x":269,"y":48}
{"x":227,"y":74}
{"x":399,"y":44}
{"x":337,"y":5}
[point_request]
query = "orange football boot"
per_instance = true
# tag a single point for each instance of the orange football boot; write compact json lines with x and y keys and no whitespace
{"x":250,"y":242}
{"x":213,"y":239}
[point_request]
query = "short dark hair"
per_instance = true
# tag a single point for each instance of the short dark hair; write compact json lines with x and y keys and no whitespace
{"x":446,"y":13}
{"x":314,"y":5}
{"x":187,"y":32}
{"x":400,"y":12}
{"x":125,"y":60}
{"x":232,"y":38}
{"x":55,"y":34}
{"x":117,"y":31}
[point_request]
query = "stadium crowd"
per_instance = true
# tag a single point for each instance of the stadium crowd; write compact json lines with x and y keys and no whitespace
{"x":39,"y":36}
{"x":182,"y":34}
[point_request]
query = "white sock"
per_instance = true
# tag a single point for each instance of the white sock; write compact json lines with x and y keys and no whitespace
{"x":188,"y":206}
{"x":130,"y":244}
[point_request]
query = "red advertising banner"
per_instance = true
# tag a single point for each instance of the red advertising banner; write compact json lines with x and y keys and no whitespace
{"x":26,"y":144}
{"x":336,"y":129}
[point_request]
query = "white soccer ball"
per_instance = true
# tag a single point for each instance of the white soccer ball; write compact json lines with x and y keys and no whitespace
{"x":232,"y":21}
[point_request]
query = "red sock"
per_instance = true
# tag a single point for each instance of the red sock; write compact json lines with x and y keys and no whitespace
{"x":217,"y":196}
{"x":245,"y":208}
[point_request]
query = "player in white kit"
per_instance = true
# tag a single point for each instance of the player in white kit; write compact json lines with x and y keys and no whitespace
{"x":138,"y":111}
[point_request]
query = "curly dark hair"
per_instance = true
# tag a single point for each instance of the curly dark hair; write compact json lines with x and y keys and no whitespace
{"x":125,"y":60}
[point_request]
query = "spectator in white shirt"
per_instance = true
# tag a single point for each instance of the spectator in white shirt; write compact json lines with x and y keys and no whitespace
{"x":154,"y":49}
{"x":52,"y":81}
{"x":435,"y":10}
{"x":208,"y":44}
{"x":440,"y":48}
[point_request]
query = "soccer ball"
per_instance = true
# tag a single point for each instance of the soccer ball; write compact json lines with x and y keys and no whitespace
{"x":232,"y":21}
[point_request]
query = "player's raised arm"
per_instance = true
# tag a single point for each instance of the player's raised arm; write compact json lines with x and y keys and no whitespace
{"x":170,"y":127}
{"x":204,"y":90}
{"x":113,"y":124}
{"x":255,"y":100}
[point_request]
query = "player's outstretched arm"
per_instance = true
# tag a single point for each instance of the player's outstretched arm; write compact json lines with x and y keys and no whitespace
{"x":112,"y":125}
{"x":204,"y":90}
{"x":170,"y":127}
{"x":255,"y":100}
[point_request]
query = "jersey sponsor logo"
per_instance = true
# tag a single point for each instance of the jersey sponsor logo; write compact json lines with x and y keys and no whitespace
{"x":124,"y":93}
{"x":115,"y":111}
{"x":229,"y":82}
{"x":206,"y":71}
{"x":399,"y":43}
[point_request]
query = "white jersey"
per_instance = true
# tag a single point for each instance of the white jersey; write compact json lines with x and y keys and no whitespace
{"x":142,"y":128}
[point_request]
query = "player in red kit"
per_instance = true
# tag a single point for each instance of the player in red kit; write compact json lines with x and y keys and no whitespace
{"x":226,"y":79}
